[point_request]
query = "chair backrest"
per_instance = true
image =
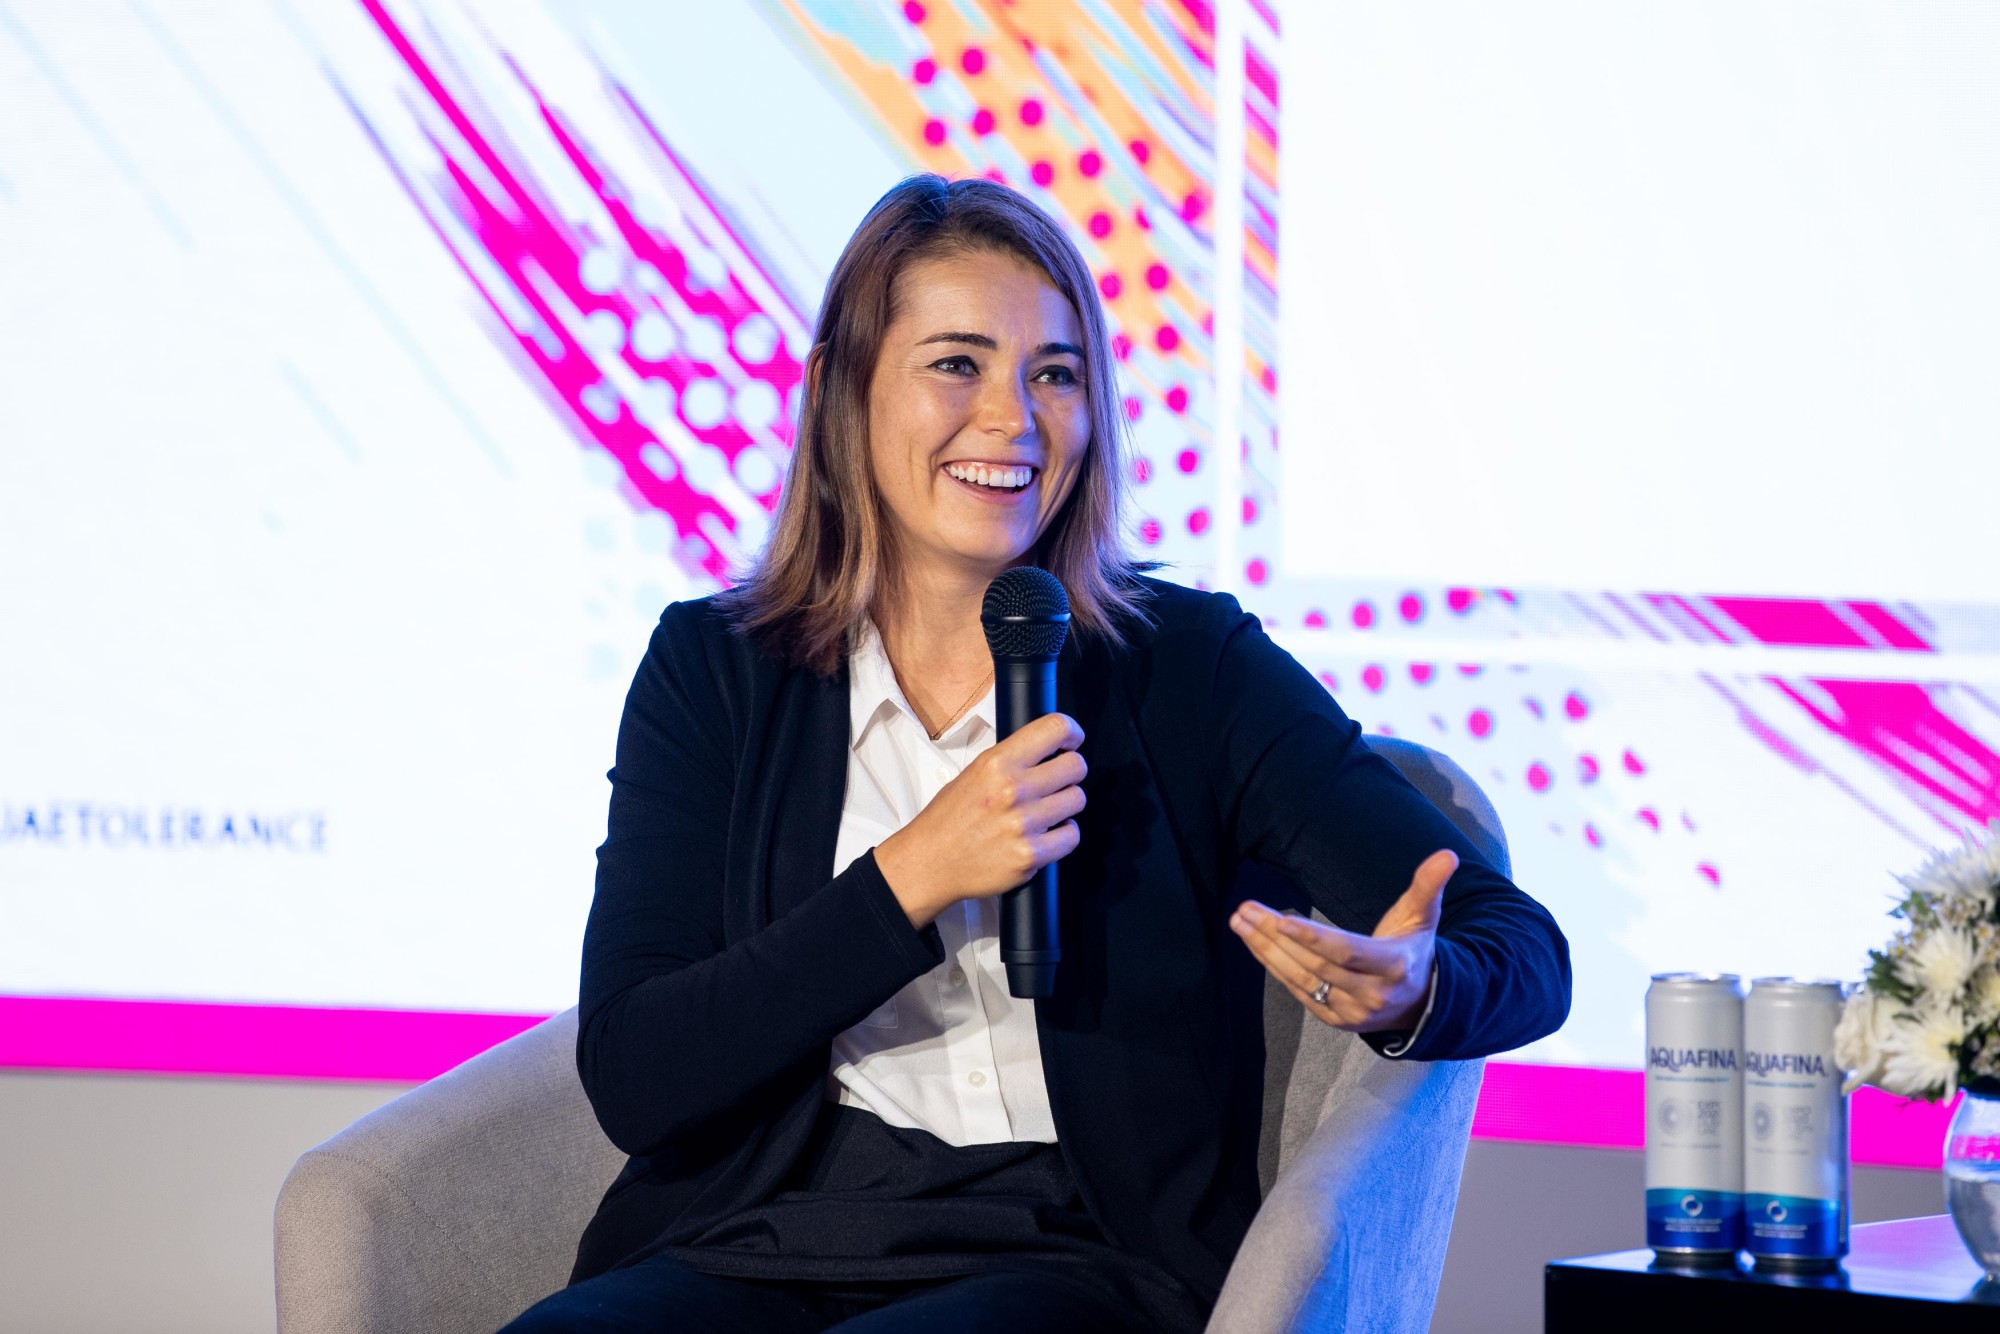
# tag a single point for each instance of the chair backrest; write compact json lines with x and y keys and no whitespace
{"x":1304,"y":1062}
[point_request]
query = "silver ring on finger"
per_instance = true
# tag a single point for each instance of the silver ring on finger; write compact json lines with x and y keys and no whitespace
{"x":1321,"y":992}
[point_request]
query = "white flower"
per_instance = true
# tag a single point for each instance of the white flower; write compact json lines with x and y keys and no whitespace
{"x":1982,"y":1001}
{"x":1939,"y":963}
{"x":1969,"y":872}
{"x":1858,"y":1038}
{"x":1918,"y":1051}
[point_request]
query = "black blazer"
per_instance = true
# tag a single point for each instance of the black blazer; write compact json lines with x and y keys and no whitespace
{"x":722,"y":956}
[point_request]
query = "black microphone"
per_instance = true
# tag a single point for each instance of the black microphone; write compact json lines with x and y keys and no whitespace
{"x":1026,"y":615}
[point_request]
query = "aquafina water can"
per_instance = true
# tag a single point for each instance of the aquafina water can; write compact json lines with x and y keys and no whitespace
{"x":1795,"y":1173}
{"x":1694,"y":1116}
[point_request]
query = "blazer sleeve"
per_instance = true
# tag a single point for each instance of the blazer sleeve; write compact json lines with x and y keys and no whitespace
{"x":1298,"y":790}
{"x":678,"y":1026}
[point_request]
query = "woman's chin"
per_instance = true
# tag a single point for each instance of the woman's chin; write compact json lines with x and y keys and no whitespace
{"x":995,"y":549}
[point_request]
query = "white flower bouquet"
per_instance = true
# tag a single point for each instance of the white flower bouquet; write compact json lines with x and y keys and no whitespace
{"x":1926,"y":1019}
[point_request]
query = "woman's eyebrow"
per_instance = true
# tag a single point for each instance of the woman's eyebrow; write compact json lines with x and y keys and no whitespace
{"x":976,"y":339}
{"x":981,"y":340}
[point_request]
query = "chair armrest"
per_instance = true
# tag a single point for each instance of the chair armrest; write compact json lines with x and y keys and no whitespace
{"x":454,"y":1207}
{"x":1352,"y":1235}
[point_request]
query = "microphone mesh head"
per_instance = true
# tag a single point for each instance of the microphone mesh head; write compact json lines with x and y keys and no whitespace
{"x":1026,"y":614}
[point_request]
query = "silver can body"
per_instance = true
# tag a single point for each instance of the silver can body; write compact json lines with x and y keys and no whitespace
{"x":1694,"y":1115}
{"x":1795,"y":1168}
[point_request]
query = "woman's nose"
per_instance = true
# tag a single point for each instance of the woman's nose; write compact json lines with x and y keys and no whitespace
{"x":1005,"y":407}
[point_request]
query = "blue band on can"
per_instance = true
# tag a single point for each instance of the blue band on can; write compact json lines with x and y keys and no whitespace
{"x":1694,"y":1220}
{"x":1794,"y":1225}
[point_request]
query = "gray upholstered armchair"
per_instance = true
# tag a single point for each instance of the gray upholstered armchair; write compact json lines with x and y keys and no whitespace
{"x":458,"y":1205}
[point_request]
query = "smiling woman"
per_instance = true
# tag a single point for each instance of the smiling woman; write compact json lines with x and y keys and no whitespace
{"x":793,"y":1012}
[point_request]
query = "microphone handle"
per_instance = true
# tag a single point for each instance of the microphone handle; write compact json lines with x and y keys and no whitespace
{"x":1030,"y":943}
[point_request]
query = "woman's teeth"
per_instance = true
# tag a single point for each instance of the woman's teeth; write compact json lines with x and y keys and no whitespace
{"x":999,"y":478}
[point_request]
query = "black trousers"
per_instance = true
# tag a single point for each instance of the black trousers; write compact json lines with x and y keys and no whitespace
{"x":884,"y":1228}
{"x":660,"y":1295}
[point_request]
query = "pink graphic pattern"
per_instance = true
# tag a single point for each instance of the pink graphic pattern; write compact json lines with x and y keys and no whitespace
{"x":665,"y":338}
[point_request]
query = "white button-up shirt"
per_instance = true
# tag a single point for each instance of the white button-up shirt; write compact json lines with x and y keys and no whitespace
{"x":951,"y":1053}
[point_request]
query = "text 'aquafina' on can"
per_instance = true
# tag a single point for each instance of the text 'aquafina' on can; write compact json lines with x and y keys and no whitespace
{"x":1694,"y":1116}
{"x":1795,"y":1176}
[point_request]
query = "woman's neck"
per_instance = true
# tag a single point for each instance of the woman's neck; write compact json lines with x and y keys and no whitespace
{"x":931,"y":632}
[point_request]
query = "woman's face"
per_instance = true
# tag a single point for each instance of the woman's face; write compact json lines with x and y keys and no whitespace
{"x":978,"y":417}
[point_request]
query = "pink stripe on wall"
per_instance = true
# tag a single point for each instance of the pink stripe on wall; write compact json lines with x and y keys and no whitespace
{"x":1574,"y":1104}
{"x":1536,"y":1104}
{"x":1562,"y":1104}
{"x":259,"y":1041}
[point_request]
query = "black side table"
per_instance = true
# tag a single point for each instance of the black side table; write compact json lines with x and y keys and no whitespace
{"x":1912,"y":1274}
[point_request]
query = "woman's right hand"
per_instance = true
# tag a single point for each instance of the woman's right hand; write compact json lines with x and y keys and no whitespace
{"x":1005,"y":816}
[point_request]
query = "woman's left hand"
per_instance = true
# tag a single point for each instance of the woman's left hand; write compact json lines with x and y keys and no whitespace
{"x":1376,"y":983}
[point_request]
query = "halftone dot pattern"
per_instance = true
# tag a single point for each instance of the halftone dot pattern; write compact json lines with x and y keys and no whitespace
{"x":679,"y":351}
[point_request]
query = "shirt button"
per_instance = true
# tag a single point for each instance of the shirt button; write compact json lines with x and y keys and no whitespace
{"x":977,"y":1079}
{"x":957,"y":976}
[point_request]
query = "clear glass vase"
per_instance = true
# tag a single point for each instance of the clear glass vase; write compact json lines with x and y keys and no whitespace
{"x":1972,"y":1173}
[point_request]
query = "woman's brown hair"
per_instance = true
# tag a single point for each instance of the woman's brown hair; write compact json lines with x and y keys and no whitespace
{"x":825,"y":562}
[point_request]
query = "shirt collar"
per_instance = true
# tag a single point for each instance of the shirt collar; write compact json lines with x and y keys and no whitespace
{"x":872,"y":691}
